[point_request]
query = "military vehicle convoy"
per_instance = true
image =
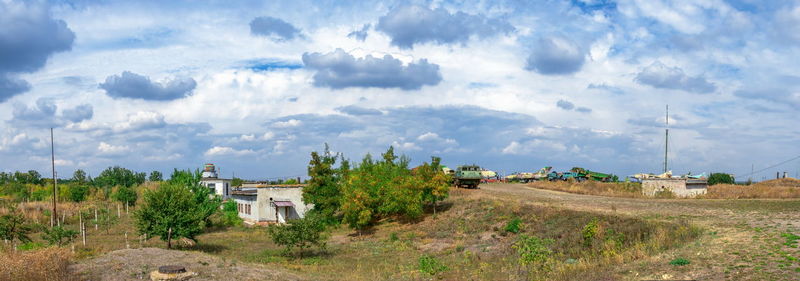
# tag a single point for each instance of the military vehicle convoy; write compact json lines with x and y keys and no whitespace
{"x":468,"y":176}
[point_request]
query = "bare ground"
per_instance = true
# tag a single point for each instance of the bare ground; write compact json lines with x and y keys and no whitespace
{"x":744,"y":239}
{"x":136,"y":264}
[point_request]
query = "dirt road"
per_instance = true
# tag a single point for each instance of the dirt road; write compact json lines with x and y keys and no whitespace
{"x":743,"y":240}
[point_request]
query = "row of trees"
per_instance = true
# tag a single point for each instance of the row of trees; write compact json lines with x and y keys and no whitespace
{"x":372,"y":190}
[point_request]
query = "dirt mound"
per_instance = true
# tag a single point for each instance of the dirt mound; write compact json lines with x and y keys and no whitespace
{"x":136,"y":264}
{"x":780,"y":182}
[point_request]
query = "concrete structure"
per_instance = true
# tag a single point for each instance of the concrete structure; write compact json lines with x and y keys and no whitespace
{"x":270,"y":203}
{"x":681,"y":187}
{"x":219,"y":186}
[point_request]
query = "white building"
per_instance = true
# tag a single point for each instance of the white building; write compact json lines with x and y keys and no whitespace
{"x":681,"y":187}
{"x":270,"y":203}
{"x":219,"y":186}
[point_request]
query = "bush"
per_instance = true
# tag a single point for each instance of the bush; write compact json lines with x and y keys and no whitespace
{"x":589,"y":231}
{"x":230,"y":214}
{"x":301,"y":233}
{"x":77,"y":193}
{"x":59,"y":235}
{"x":717,"y":178}
{"x":679,"y":262}
{"x":534,"y":251}
{"x":513,"y":225}
{"x":430,"y":265}
{"x":125,"y":195}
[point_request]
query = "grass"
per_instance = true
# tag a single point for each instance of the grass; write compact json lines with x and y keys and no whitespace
{"x":468,"y":240}
{"x":614,"y":189}
{"x":778,"y":189}
{"x":44,"y":264}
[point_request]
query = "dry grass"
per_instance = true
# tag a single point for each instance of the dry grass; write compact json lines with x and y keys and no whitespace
{"x":779,"y":188}
{"x":50,"y":264}
{"x":614,"y":189}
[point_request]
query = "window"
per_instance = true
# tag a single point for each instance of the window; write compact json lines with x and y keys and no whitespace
{"x":248,"y":209}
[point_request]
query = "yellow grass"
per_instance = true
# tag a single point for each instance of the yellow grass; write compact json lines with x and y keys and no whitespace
{"x":614,"y":189}
{"x":45,"y":264}
{"x":779,"y":188}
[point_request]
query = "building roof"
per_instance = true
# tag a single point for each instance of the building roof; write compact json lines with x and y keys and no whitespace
{"x":214,"y":179}
{"x":282,"y":203}
{"x":245,"y":192}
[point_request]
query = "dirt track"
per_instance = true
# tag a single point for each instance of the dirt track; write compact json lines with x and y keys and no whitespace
{"x":743,"y":239}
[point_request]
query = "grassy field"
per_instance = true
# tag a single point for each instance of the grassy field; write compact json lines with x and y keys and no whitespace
{"x":771,"y":189}
{"x":584,"y":237}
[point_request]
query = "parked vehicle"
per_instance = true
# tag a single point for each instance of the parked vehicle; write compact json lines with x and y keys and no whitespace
{"x":468,"y":176}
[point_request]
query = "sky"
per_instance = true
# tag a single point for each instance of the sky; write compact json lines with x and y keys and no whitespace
{"x":255,"y":86}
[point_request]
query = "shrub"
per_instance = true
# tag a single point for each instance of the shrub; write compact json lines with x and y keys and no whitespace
{"x":589,"y":231}
{"x":301,"y":233}
{"x":13,"y":225}
{"x":717,"y":178}
{"x":679,"y":262}
{"x":430,"y":265}
{"x":533,"y":250}
{"x":59,"y":235}
{"x":77,"y":193}
{"x":125,"y":195}
{"x":230,"y":214}
{"x":513,"y":225}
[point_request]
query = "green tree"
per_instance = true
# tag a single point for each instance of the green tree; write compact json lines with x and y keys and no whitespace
{"x":236,"y":182}
{"x":79,"y":176}
{"x":178,"y":208}
{"x":78,"y":192}
{"x":59,"y":235}
{"x":433,"y":182}
{"x":125,"y":195}
{"x":155,"y":176}
{"x":118,"y":176}
{"x":13,"y":225}
{"x":717,"y":178}
{"x":230,"y":214}
{"x":300,"y":233}
{"x":323,"y":187}
{"x":105,"y":219}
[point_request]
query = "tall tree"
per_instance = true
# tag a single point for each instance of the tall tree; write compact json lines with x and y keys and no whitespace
{"x":323,"y":187}
{"x":79,"y":176}
{"x":172,"y":211}
{"x":156,"y":176}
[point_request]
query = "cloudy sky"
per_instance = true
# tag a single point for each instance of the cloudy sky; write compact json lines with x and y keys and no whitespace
{"x":255,"y":86}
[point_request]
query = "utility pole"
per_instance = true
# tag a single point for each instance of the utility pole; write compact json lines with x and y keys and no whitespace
{"x":55,"y":184}
{"x":752,"y":168}
{"x":666,"y":140}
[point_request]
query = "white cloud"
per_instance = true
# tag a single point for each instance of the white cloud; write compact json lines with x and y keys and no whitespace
{"x":224,"y":150}
{"x":287,"y":123}
{"x":108,"y":149}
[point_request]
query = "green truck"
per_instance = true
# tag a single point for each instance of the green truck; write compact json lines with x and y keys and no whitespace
{"x":468,"y":176}
{"x":582,"y":173}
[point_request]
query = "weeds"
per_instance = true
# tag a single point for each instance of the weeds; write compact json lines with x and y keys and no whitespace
{"x":45,"y":264}
{"x":513,"y":225}
{"x":430,"y":265}
{"x":679,"y":262}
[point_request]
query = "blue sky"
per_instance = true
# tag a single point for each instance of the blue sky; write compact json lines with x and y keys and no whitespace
{"x":255,"y":86}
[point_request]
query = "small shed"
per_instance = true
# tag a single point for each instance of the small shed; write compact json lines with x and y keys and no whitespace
{"x":681,"y":187}
{"x":271,"y":203}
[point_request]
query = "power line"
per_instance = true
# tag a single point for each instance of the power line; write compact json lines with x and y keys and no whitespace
{"x":773,"y":166}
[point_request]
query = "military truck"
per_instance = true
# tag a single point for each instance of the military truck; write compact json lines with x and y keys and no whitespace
{"x":468,"y":176}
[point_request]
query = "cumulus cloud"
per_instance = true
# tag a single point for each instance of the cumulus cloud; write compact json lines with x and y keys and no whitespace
{"x":409,"y":25}
{"x":79,"y":113}
{"x":582,"y":109}
{"x":141,"y":120}
{"x":224,"y":150}
{"x":661,"y":76}
{"x":556,"y":56}
{"x":44,"y":115}
{"x":273,"y":27}
{"x":135,"y":86}
{"x":338,"y":70}
{"x":360,"y":34}
{"x":28,"y":37}
{"x":109,"y":149}
{"x":357,"y":110}
{"x":287,"y":124}
{"x":566,"y":105}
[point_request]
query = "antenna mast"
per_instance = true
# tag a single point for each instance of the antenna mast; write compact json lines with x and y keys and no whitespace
{"x":666,"y":141}
{"x":54,"y":218}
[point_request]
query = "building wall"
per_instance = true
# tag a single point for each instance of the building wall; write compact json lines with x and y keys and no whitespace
{"x":293,"y":194}
{"x":222,"y":187}
{"x":678,"y":186}
{"x":247,"y":200}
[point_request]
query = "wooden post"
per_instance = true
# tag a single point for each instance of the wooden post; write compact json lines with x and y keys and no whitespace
{"x":83,"y":233}
{"x":126,"y":207}
{"x":127,"y":246}
{"x":95,"y":218}
{"x":169,"y":238}
{"x":118,"y":214}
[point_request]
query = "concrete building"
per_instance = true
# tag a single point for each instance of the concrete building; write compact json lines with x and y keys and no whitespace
{"x":270,"y":203}
{"x":681,"y":187}
{"x":210,"y":179}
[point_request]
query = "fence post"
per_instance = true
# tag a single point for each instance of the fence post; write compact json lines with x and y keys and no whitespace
{"x":118,"y":214}
{"x":127,"y":246}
